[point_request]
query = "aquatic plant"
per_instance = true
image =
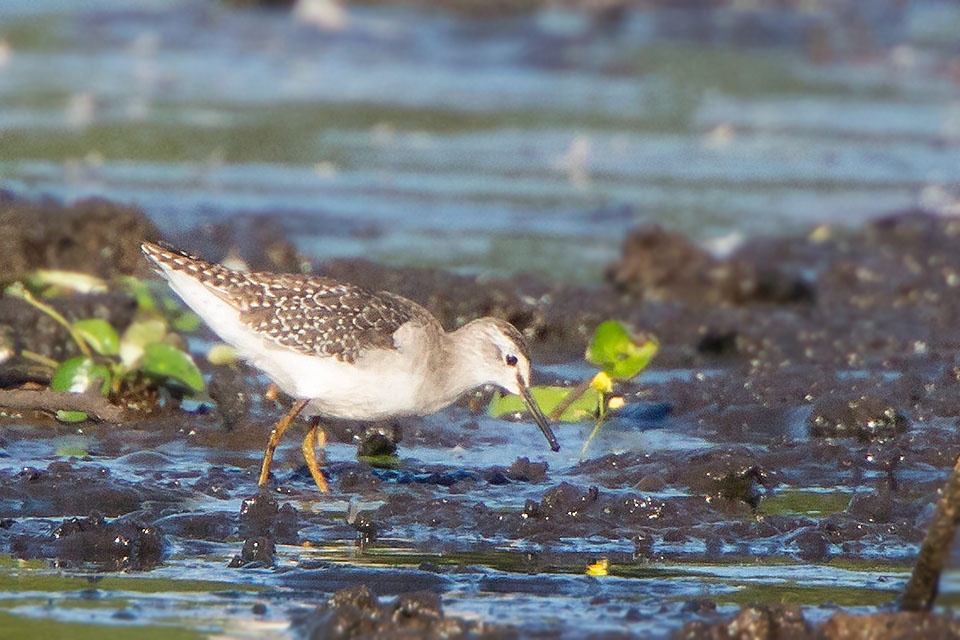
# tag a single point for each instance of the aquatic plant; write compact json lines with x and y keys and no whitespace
{"x":127,"y":367}
{"x":620,"y":356}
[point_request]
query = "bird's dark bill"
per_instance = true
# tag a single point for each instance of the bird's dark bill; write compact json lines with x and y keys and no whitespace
{"x":538,"y":416}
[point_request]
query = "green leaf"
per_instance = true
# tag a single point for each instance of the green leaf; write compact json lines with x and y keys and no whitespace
{"x":186,"y":322}
{"x":99,"y":334}
{"x":140,"y":291}
{"x":548,"y":398}
{"x":16,"y":290}
{"x":79,"y":374}
{"x":616,"y":352}
{"x":137,"y":336}
{"x":65,"y":281}
{"x":165,"y":361}
{"x":70,"y":417}
{"x":222,"y":354}
{"x":144,"y":332}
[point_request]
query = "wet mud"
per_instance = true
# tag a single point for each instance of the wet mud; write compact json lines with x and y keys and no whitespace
{"x":822,"y":364}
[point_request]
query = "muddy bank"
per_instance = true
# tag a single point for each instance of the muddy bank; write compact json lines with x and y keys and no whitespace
{"x":778,"y":621}
{"x":811,"y":383}
{"x":94,"y":236}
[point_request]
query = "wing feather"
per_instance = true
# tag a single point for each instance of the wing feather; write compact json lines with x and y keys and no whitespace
{"x":310,"y":314}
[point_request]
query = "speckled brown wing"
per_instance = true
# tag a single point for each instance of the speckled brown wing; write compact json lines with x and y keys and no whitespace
{"x":320,"y":316}
{"x":312,"y":315}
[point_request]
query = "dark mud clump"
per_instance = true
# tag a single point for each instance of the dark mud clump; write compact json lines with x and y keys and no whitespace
{"x":263,"y":524}
{"x":757,"y":621}
{"x":663,"y":265}
{"x":93,"y":236}
{"x":357,"y":613}
{"x":69,"y":488}
{"x":864,"y":418}
{"x":93,"y":542}
{"x":262,"y":516}
{"x":787,"y":621}
{"x":258,"y":552}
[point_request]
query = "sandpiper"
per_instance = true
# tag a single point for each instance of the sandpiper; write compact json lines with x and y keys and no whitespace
{"x":342,"y":351}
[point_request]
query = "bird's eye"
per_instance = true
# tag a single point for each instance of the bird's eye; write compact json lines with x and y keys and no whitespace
{"x":511,"y":360}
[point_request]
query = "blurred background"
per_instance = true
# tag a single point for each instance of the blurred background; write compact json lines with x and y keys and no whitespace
{"x":479,"y":136}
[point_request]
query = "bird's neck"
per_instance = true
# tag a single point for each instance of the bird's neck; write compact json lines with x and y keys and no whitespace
{"x":457,"y":368}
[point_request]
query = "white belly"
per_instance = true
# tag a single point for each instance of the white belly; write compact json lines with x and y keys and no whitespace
{"x":378,"y":386}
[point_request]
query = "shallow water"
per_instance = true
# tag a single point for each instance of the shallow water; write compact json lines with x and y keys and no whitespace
{"x":536,"y":582}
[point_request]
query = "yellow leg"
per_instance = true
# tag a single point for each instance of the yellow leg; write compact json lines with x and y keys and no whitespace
{"x":315,"y":437}
{"x":275,"y":436}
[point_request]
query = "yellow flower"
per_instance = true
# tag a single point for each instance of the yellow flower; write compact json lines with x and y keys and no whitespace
{"x":602,"y":383}
{"x":598,"y":568}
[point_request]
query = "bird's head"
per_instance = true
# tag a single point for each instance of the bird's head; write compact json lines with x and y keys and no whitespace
{"x":502,"y":359}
